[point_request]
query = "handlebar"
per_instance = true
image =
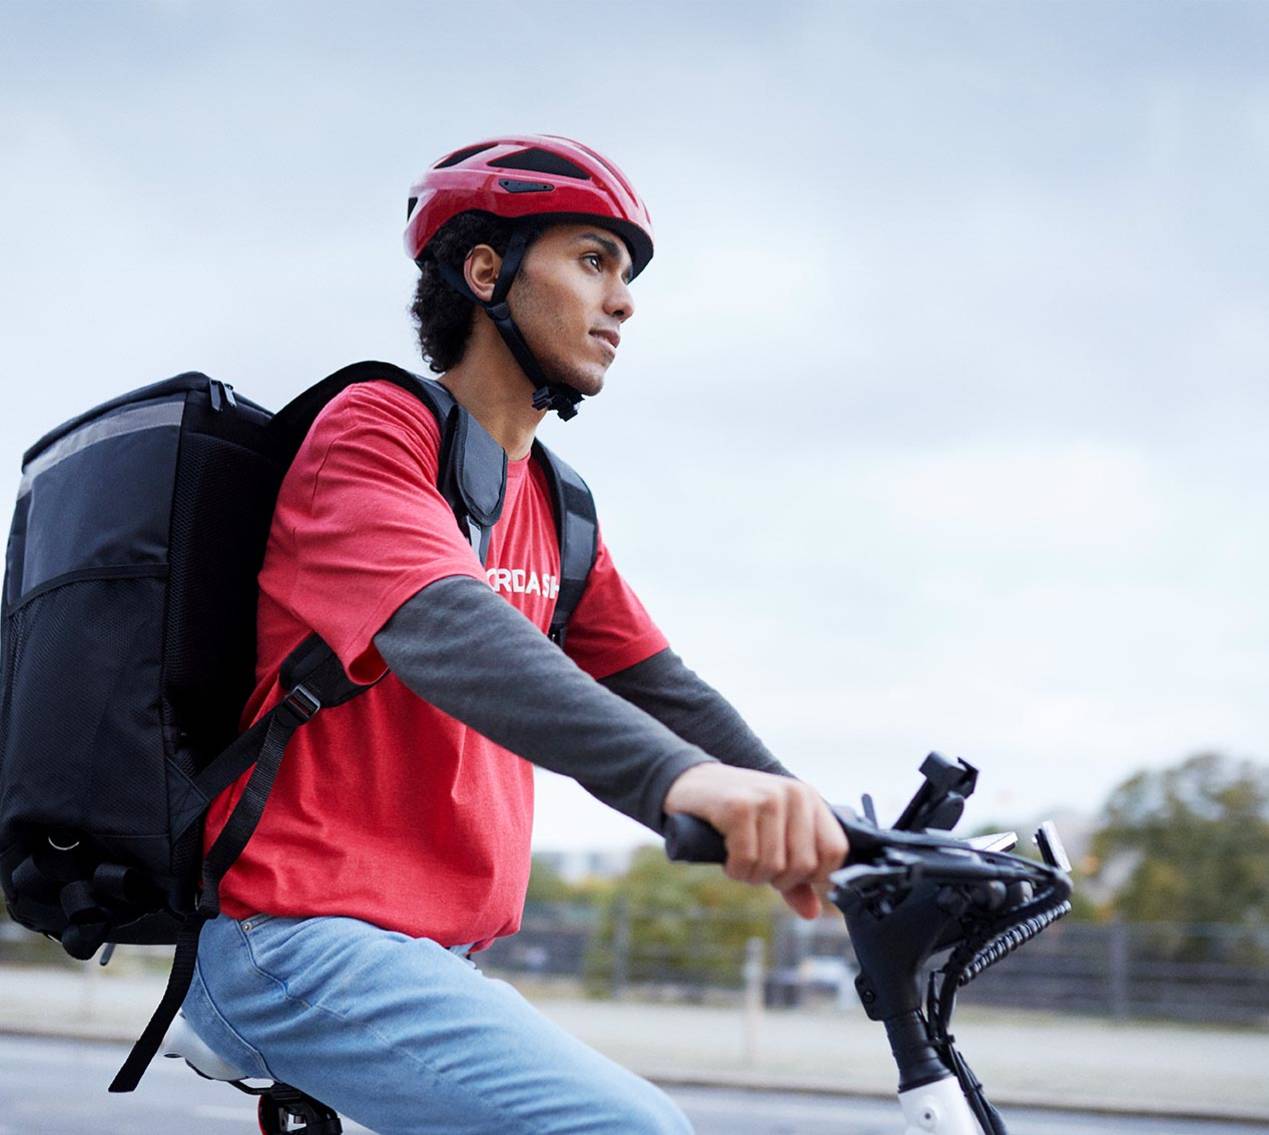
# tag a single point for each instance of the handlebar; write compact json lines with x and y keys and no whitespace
{"x":919,"y":845}
{"x":689,"y":839}
{"x":936,"y":806}
{"x":892,"y":860}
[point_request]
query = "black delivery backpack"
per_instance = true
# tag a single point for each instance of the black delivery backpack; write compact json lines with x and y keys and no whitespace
{"x":128,"y":636}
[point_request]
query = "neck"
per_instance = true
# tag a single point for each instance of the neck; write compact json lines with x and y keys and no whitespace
{"x":489,"y":384}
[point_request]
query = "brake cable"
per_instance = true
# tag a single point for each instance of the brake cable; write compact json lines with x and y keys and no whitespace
{"x":974,"y":956}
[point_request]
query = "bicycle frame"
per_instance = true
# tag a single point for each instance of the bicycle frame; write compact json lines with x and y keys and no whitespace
{"x":939,"y":1108}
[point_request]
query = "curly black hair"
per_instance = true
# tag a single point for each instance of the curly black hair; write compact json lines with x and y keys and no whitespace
{"x":442,"y":317}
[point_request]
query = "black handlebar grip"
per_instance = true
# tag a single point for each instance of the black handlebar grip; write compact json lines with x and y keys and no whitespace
{"x":691,"y":840}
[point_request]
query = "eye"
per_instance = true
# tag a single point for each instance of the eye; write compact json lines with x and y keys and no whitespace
{"x":595,"y":259}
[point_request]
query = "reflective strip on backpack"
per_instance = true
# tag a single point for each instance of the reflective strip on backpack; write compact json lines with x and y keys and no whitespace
{"x":128,"y":421}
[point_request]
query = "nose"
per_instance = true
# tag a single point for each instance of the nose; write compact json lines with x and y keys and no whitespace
{"x":620,"y":302}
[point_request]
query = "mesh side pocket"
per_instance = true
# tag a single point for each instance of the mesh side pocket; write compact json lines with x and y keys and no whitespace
{"x":82,"y":744}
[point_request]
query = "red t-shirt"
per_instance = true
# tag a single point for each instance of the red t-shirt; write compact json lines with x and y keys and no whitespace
{"x":385,"y":808}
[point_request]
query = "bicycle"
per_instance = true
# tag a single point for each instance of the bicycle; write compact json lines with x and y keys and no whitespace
{"x":907,"y":893}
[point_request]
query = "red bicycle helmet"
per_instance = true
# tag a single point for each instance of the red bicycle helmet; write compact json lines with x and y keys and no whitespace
{"x":529,"y":175}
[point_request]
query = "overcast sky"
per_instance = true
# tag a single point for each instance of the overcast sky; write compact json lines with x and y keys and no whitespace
{"x":941,"y":422}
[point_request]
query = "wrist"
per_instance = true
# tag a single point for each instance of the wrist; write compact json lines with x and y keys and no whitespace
{"x":690,"y":786}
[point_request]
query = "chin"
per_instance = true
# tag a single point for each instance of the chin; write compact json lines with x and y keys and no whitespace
{"x":586,"y":383}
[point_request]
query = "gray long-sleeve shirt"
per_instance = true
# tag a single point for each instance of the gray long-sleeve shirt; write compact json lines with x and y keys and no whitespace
{"x":626,"y":740}
{"x":663,"y":687}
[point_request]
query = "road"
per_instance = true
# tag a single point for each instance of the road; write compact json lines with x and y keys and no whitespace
{"x":55,"y":1087}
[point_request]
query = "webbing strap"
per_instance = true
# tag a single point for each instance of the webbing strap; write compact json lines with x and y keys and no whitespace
{"x":178,"y":983}
{"x":224,"y":770}
{"x":283,"y":720}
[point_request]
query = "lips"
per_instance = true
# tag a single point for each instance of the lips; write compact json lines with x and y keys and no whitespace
{"x":609,"y":337}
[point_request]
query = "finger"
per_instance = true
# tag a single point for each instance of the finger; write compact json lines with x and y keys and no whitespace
{"x":832,"y":847}
{"x":772,"y":825}
{"x":803,"y":901}
{"x":801,"y":841}
{"x":742,"y":844}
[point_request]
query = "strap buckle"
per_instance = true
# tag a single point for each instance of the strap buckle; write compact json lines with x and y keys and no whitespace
{"x":302,"y":702}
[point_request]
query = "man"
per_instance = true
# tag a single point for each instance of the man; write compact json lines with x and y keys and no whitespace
{"x":396,"y":840}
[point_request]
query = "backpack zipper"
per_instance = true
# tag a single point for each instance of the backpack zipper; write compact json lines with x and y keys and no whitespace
{"x":221,"y":393}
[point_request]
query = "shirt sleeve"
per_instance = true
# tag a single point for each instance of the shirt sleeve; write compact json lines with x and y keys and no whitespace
{"x":610,"y":630}
{"x":367,"y":524}
{"x":473,"y":656}
{"x":664,"y":688}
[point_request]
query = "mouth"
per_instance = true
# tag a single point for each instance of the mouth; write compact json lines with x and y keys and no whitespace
{"x":611,"y":338}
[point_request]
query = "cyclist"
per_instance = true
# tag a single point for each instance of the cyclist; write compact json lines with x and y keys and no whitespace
{"x":396,"y":841}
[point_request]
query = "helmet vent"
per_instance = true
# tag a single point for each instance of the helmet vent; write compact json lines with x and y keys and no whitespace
{"x":541,"y":161}
{"x":409,"y":207}
{"x":462,"y":155}
{"x":511,"y":185}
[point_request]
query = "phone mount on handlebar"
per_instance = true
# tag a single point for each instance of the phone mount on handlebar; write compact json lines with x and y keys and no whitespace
{"x":940,"y":801}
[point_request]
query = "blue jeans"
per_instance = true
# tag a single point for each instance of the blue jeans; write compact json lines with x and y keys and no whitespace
{"x":403,"y":1035}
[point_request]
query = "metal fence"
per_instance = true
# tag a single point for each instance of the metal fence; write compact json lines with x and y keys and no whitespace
{"x":1212,"y":973}
{"x":1183,"y":972}
{"x":1162,"y":970}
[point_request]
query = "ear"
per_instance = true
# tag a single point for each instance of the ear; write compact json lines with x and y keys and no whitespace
{"x":481,"y":270}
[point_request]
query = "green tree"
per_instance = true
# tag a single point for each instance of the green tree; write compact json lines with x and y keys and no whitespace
{"x":1198,"y":836}
{"x":680,"y":923}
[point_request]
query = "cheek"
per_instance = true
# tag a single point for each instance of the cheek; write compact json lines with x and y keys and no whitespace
{"x":562,"y":308}
{"x":556,"y":311}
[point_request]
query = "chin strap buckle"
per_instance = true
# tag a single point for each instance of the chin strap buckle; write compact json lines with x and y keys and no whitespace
{"x":558,"y":397}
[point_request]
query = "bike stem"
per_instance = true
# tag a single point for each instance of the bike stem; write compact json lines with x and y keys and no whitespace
{"x":914,"y":1055}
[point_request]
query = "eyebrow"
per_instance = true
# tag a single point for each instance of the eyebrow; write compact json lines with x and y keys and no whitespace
{"x":610,"y":246}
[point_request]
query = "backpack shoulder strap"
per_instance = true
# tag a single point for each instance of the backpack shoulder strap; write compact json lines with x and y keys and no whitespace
{"x":473,"y":466}
{"x":575,"y":518}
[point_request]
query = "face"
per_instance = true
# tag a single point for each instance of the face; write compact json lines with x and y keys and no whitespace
{"x":570,"y":299}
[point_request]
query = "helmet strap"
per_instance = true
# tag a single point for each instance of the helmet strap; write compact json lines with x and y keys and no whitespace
{"x":547,"y":395}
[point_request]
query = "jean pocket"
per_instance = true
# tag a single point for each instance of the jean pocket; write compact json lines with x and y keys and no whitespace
{"x":252,"y":921}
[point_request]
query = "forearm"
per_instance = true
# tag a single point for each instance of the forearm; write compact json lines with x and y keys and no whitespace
{"x":461,"y":648}
{"x":663,"y":687}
